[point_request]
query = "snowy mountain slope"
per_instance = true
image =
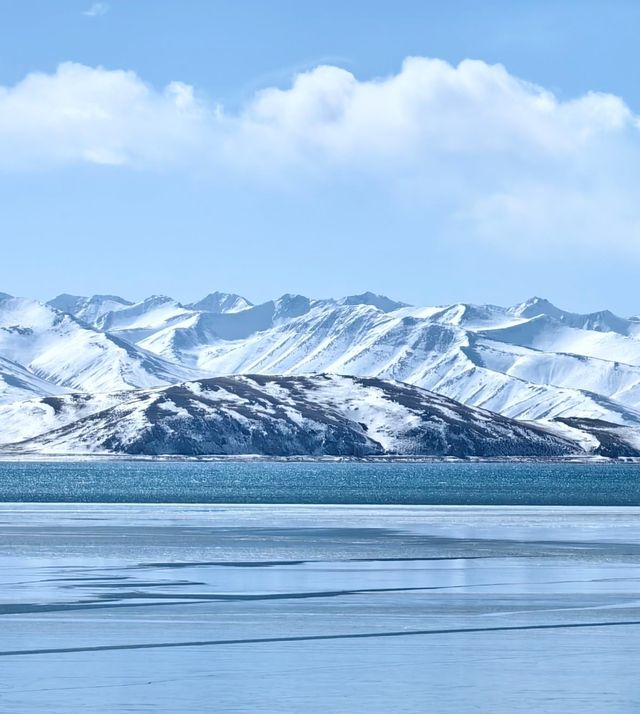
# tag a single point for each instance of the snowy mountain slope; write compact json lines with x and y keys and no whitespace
{"x":601,"y":321}
{"x":319,"y":415}
{"x":114,"y":314}
{"x":530,"y":361}
{"x":409,"y":346}
{"x":182,"y":339}
{"x":474,"y":317}
{"x":600,"y":438}
{"x":88,"y":309}
{"x":550,"y":335}
{"x":137,"y":321}
{"x":29,"y":418}
{"x":478,"y":317}
{"x":58,"y":348}
{"x":621,"y":382}
{"x":18,"y":383}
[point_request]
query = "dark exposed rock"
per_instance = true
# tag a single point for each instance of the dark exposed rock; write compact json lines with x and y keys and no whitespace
{"x":613,"y":438}
{"x":319,"y":415}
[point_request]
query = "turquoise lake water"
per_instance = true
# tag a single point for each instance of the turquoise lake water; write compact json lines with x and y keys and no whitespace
{"x":322,"y":483}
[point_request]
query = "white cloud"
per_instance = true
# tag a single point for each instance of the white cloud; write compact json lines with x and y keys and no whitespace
{"x":92,"y":115}
{"x":431,"y":108}
{"x":506,"y":159}
{"x":97,"y":9}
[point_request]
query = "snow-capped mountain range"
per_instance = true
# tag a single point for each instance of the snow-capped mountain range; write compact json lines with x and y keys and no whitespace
{"x":532,"y":362}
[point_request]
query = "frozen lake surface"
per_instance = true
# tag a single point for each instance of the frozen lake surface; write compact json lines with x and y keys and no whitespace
{"x":160,"y":608}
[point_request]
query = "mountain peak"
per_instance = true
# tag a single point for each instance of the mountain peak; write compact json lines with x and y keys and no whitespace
{"x":291,"y":305}
{"x":109,"y":298}
{"x":538,"y":301}
{"x":382,"y":302}
{"x":67,"y":302}
{"x":218,"y":303}
{"x":88,"y":309}
{"x":156,"y":300}
{"x":536,"y":306}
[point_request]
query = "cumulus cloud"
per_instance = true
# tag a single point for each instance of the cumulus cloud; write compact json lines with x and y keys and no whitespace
{"x":505,"y":157}
{"x":92,"y":115}
{"x":433,"y":107}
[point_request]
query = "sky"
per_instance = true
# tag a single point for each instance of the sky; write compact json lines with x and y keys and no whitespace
{"x":435,"y":152}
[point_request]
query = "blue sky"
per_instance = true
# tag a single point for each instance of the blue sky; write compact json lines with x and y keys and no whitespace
{"x":207,"y":165}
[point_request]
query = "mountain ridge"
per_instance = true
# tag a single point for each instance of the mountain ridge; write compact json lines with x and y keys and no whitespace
{"x":532,"y":361}
{"x":285,"y":416}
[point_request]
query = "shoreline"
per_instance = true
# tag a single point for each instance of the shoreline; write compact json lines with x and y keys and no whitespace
{"x":258,"y":458}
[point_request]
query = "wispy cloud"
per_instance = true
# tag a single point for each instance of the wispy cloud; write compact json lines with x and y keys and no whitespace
{"x":97,"y":9}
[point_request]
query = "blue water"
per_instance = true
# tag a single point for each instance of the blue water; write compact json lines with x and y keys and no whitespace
{"x":328,"y":483}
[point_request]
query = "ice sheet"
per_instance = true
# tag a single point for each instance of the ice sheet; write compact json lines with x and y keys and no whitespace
{"x":157,"y":608}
